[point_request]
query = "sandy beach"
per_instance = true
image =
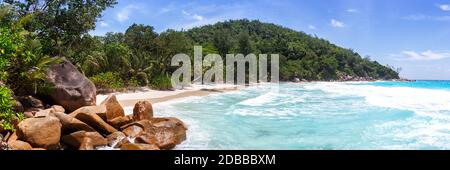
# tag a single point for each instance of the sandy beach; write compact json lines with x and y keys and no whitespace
{"x":128,"y":99}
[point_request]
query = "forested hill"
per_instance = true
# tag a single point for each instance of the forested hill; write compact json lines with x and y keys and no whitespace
{"x":301,"y":55}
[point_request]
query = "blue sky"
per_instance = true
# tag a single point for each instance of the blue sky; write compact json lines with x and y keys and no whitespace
{"x":411,"y":34}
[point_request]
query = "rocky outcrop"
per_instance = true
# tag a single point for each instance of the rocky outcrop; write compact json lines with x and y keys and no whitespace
{"x":98,"y":110}
{"x":121,"y":121}
{"x":165,"y":133}
{"x":142,"y":110}
{"x":133,"y":131}
{"x":70,"y":124}
{"x":28,"y":102}
{"x":96,"y":122}
{"x":113,"y":108}
{"x":169,"y":132}
{"x":117,"y":139}
{"x":138,"y":146}
{"x":84,"y":139}
{"x":43,"y":132}
{"x":71,"y":89}
{"x":90,"y":127}
{"x":19,"y":145}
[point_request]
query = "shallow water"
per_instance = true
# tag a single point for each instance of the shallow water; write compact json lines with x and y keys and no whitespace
{"x":379,"y":115}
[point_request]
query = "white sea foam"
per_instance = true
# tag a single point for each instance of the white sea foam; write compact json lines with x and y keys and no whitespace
{"x":429,"y":126}
{"x":260,"y":100}
{"x":426,"y":102}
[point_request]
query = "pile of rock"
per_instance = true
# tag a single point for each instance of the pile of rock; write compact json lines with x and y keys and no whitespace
{"x":90,"y":127}
{"x":344,"y":77}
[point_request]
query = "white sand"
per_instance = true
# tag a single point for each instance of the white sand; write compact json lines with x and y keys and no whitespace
{"x":128,"y":98}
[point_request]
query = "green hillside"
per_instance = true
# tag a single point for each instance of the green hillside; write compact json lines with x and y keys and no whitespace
{"x":301,"y":55}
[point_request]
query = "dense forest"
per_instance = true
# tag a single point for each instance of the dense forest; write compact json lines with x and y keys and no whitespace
{"x":302,"y":55}
{"x":141,"y":57}
{"x":34,"y":32}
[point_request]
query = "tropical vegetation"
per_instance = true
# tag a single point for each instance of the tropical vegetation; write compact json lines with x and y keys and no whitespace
{"x":34,"y":32}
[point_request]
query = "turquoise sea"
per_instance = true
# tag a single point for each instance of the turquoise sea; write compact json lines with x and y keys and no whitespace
{"x":323,"y":115}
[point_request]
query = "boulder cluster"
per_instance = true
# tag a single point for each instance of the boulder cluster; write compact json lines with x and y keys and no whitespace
{"x":91,"y":127}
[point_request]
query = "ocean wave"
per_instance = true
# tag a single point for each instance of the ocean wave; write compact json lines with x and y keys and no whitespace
{"x":428,"y":102}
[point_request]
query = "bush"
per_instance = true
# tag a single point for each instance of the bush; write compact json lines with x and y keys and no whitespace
{"x":161,"y":82}
{"x":108,"y":80}
{"x":142,"y":78}
{"x":133,"y":82}
{"x":8,"y":118}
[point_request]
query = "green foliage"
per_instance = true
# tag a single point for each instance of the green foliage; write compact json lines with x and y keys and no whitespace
{"x":22,"y":63}
{"x":133,"y":82}
{"x":60,"y":24}
{"x":108,"y":80}
{"x":304,"y":56}
{"x":142,"y":79}
{"x":7,"y":116}
{"x":161,"y":82}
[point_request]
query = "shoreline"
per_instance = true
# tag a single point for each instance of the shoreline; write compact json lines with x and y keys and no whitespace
{"x":128,"y":99}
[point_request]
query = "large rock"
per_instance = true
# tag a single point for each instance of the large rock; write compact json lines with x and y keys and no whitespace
{"x":43,"y":132}
{"x":87,"y":144}
{"x":28,"y":102}
{"x":121,"y":121}
{"x":144,"y":124}
{"x":71,"y":89}
{"x":96,"y":122}
{"x":113,"y":108}
{"x":98,"y":110}
{"x":133,"y":131}
{"x":117,"y":139}
{"x":76,"y":139}
{"x":147,"y":138}
{"x":57,"y":109}
{"x":70,"y":124}
{"x":169,"y":132}
{"x":19,"y":145}
{"x":47,"y":112}
{"x":166,"y":133}
{"x":142,"y":110}
{"x":138,"y":146}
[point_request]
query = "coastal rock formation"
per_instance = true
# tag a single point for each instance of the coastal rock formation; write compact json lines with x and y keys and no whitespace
{"x":71,"y":89}
{"x":96,"y":122}
{"x":88,"y":139}
{"x":117,"y":139}
{"x":28,"y":102}
{"x":165,"y":133}
{"x":19,"y":145}
{"x":70,"y":124}
{"x":142,"y":110}
{"x":98,"y":110}
{"x":133,"y":131}
{"x":121,"y":121}
{"x":113,"y":108}
{"x":138,"y":146}
{"x":90,"y":127}
{"x":43,"y":132}
{"x":169,"y":137}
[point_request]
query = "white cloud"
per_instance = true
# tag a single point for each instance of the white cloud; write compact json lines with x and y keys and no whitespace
{"x":445,"y":7}
{"x":104,"y":24}
{"x":426,"y":55}
{"x":193,"y":16}
{"x":337,"y":24}
{"x":124,"y":14}
{"x":311,"y":27}
{"x":352,"y":10}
